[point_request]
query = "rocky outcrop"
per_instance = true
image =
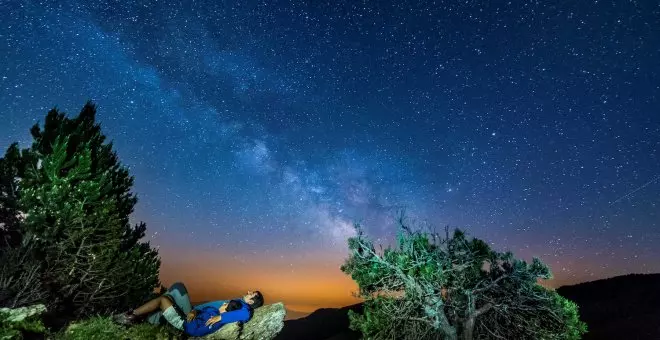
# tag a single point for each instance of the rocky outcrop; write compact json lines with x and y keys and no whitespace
{"x":22,"y":322}
{"x":19,"y":314}
{"x":265,"y":324}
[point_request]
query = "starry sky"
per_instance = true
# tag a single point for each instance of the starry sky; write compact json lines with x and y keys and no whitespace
{"x":258,"y":132}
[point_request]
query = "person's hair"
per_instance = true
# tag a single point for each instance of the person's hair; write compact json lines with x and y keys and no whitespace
{"x":257,"y":300}
{"x":234,"y":305}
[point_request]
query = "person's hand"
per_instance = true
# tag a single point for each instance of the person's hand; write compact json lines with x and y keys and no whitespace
{"x":213,"y":320}
{"x":192,"y":315}
{"x":223,"y":308}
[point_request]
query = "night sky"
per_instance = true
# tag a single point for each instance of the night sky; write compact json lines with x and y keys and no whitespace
{"x":258,"y":132}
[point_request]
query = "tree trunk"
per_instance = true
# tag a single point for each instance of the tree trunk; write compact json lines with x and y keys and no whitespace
{"x":450,"y":334}
{"x":468,"y":328}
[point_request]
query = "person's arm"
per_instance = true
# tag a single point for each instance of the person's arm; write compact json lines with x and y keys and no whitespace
{"x":235,"y":316}
{"x":229,"y":317}
{"x":199,"y":326}
{"x":214,"y":304}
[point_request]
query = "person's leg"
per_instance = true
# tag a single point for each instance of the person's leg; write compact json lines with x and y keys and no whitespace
{"x":150,"y":308}
{"x":160,"y":303}
{"x":155,"y":318}
{"x":169,"y":311}
{"x":179,"y":294}
{"x":176,"y":297}
{"x":174,"y":316}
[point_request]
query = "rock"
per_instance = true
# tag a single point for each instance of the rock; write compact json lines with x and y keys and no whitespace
{"x":22,"y":313}
{"x":266,"y":322}
{"x":22,"y":322}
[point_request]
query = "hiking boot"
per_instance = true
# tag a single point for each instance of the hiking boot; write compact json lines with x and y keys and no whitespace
{"x":125,"y":319}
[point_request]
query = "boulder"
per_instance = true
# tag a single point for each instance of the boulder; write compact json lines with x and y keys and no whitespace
{"x":22,"y":322}
{"x":21,"y":313}
{"x":266,"y":322}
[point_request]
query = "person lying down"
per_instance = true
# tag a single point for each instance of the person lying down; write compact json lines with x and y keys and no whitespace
{"x":174,"y":308}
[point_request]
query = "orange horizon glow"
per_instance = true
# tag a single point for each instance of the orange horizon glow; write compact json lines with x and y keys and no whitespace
{"x":303,"y":283}
{"x":310,"y":285}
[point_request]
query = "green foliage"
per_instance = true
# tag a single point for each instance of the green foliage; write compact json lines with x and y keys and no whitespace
{"x":544,"y":314}
{"x":93,"y":328}
{"x":101,"y":328}
{"x":145,"y":331}
{"x":452,"y":286}
{"x":16,"y":329}
{"x":12,"y":168}
{"x":76,"y":198}
{"x":376,"y":321}
{"x":572,"y":328}
{"x":96,"y":328}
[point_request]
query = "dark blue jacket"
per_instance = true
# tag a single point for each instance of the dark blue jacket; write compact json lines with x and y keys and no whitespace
{"x":198,"y":327}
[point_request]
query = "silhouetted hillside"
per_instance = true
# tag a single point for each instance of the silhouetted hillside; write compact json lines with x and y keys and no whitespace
{"x":622,"y":307}
{"x":322,"y":324}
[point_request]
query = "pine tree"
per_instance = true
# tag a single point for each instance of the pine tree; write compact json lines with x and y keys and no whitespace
{"x":76,"y":199}
{"x":452,"y":287}
{"x":19,"y":270}
{"x":12,"y":168}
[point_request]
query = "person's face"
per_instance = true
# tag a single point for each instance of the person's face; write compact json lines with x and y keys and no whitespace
{"x":249,"y":297}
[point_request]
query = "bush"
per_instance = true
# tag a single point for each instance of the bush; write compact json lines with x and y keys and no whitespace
{"x":454,"y":287}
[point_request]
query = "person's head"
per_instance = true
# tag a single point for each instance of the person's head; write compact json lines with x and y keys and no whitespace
{"x":254,"y":299}
{"x":231,"y":305}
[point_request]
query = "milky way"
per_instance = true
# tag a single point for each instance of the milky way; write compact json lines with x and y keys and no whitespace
{"x":259,"y":132}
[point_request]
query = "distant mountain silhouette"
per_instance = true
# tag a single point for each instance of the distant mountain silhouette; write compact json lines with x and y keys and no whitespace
{"x":622,"y":307}
{"x":322,"y":324}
